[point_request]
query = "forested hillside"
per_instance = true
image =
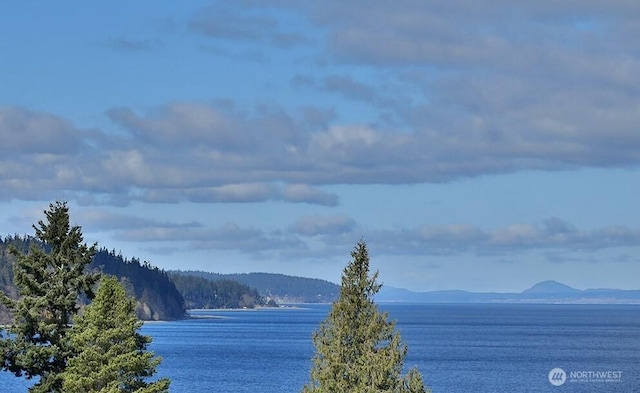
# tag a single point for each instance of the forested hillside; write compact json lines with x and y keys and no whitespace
{"x":156,"y":296}
{"x":280,"y":287}
{"x":199,"y":292}
{"x":159,"y":296}
{"x":163,"y":296}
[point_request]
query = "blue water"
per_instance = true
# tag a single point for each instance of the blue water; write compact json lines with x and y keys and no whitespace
{"x":457,"y":348}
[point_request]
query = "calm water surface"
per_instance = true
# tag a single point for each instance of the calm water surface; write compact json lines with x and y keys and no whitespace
{"x":457,"y":348}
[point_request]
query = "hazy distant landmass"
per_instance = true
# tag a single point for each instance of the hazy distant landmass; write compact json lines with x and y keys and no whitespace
{"x":278,"y":287}
{"x":290,"y":289}
{"x":543,"y":292}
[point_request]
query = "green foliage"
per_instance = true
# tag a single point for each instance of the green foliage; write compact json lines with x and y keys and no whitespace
{"x":112,"y":355}
{"x":281,"y":287}
{"x":199,"y":292}
{"x":357,"y":348}
{"x":156,"y":294}
{"x":50,"y":282}
{"x":7,"y":260}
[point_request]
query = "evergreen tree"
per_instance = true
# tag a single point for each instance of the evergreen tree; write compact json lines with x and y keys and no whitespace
{"x":357,"y":348}
{"x":157,"y":295}
{"x":50,"y":282}
{"x":112,"y":354}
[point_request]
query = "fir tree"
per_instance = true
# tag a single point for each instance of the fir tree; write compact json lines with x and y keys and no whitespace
{"x":50,"y":284}
{"x":112,"y":356}
{"x":357,"y":348}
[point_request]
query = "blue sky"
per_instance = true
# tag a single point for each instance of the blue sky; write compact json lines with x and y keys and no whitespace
{"x":472,"y":146}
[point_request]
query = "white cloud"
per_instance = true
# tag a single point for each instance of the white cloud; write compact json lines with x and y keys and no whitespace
{"x":303,"y":193}
{"x":254,"y":192}
{"x":103,"y":220}
{"x":445,"y":91}
{"x":312,"y":237}
{"x":208,"y":153}
{"x":457,"y":239}
{"x":25,"y":132}
{"x":323,"y":225}
{"x":229,"y":236}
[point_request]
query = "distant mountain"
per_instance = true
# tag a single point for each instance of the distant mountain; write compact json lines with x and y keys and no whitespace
{"x":550,"y":287}
{"x":543,"y":292}
{"x":278,"y":287}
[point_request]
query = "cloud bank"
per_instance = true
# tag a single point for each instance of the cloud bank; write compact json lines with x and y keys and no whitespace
{"x":424,"y":92}
{"x":331,"y":235}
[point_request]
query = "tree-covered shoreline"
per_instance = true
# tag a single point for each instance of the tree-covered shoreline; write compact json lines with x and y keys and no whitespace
{"x":201,"y":293}
{"x":160,"y":295}
{"x":279,"y":287}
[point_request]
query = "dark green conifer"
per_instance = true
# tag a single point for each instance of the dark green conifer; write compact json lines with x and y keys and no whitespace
{"x":50,"y":285}
{"x":112,"y":354}
{"x":357,"y":348}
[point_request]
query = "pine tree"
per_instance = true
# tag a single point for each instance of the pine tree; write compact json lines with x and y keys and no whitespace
{"x":357,"y":348}
{"x":50,"y":282}
{"x":113,"y":356}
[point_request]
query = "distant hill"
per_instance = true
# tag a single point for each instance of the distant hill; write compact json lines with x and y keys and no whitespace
{"x":543,"y":292}
{"x":550,"y":287}
{"x":202,"y":293}
{"x":279,"y":287}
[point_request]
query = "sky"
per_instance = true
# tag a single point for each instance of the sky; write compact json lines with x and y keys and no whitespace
{"x":483,"y":146}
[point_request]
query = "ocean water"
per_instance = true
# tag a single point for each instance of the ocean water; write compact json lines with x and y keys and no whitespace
{"x":457,"y":348}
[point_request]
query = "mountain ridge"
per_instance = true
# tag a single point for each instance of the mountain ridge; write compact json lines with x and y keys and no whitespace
{"x":549,"y":291}
{"x":281,"y":288}
{"x":294,"y":289}
{"x":550,"y":287}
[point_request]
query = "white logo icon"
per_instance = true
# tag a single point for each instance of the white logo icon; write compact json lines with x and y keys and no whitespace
{"x":557,"y":376}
